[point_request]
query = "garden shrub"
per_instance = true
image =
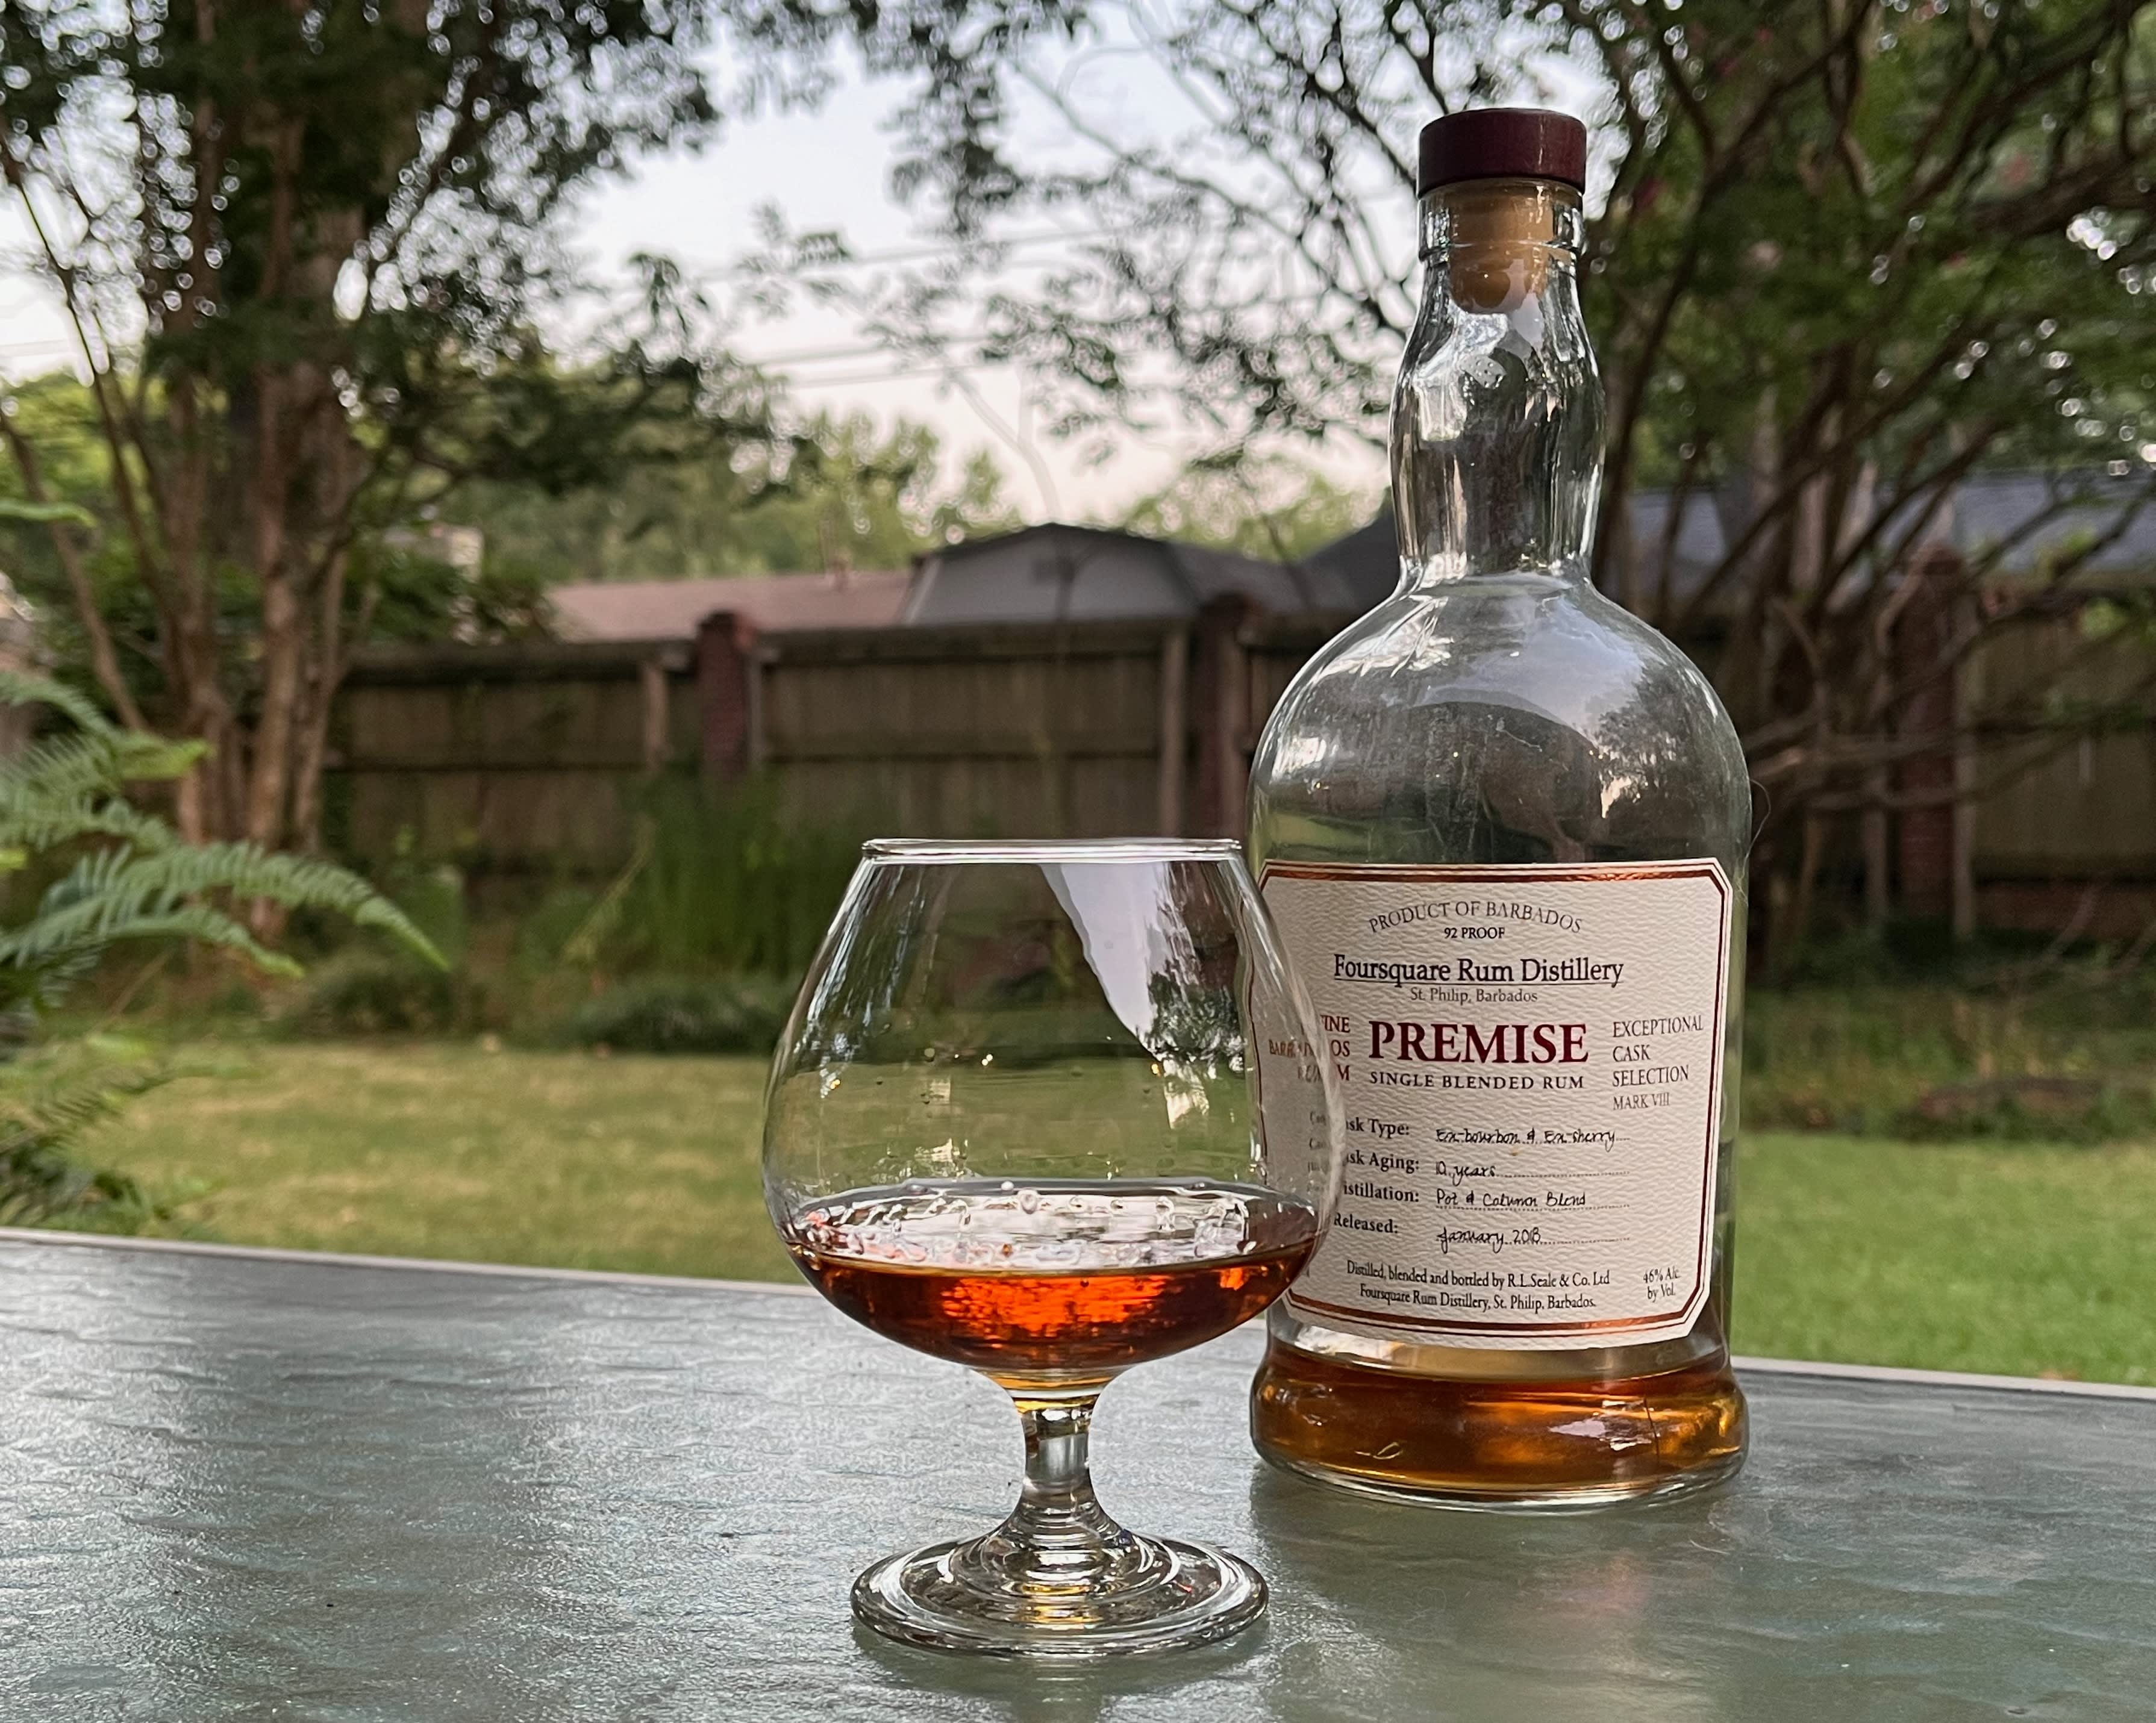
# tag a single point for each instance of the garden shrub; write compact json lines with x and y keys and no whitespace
{"x":682,"y":1014}
{"x":721,"y":881}
{"x":363,"y":992}
{"x":2080,"y":1110}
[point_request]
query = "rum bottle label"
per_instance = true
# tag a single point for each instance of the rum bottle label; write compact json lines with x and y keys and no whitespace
{"x":1530,"y":1058}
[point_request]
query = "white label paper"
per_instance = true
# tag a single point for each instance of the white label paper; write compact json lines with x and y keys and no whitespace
{"x":1529,"y":1059}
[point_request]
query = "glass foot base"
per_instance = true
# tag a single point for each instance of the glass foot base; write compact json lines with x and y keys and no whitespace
{"x":1164,"y":1595}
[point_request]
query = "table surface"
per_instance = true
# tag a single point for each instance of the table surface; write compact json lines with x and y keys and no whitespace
{"x":236,"y":1485}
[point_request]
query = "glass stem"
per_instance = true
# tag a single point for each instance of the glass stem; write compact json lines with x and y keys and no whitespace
{"x":1057,"y":1437}
{"x":1059,"y":1536}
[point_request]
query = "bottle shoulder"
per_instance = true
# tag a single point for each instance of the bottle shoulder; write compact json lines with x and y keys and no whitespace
{"x":1532,"y":640}
{"x":1515,"y":718}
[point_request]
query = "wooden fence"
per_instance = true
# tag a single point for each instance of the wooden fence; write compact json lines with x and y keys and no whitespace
{"x":511,"y":758}
{"x":2063,"y":826}
{"x":528,"y":758}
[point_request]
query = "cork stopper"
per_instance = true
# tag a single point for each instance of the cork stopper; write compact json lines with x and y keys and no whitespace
{"x":1499,"y":240}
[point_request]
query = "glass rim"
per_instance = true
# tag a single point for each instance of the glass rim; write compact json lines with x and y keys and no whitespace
{"x":959,"y":850}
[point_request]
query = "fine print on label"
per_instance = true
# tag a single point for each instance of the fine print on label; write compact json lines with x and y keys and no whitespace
{"x":1530,"y":1061}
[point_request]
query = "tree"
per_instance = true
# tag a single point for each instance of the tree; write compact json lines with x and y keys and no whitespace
{"x":1269,"y":506}
{"x":1841,"y":255}
{"x":830,"y":494}
{"x":305,"y":250}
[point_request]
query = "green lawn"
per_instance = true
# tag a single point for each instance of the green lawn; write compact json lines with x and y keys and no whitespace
{"x":427,"y":1150}
{"x":2023,"y":1258}
{"x":2020,"y":1258}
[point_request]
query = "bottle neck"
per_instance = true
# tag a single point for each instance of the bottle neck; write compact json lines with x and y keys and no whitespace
{"x":1497,"y":417}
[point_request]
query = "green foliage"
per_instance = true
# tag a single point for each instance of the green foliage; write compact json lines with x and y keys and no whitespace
{"x":133,"y":881}
{"x":363,"y":992}
{"x":48,"y":1096}
{"x":1262,"y":506}
{"x":1994,"y":1049}
{"x":367,"y":989}
{"x":419,"y":597}
{"x":432,"y":893}
{"x":832,"y":495}
{"x":42,"y":514}
{"x":543,"y":932}
{"x":310,"y":256}
{"x":56,"y":416}
{"x":146,"y":884}
{"x":721,"y":882}
{"x":682,"y":1014}
{"x":2032,"y":1109}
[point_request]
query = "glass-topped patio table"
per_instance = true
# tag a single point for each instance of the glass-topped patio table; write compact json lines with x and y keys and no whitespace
{"x":246,"y":1484}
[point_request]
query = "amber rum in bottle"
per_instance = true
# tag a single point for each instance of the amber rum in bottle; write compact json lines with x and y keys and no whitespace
{"x":1501,"y":825}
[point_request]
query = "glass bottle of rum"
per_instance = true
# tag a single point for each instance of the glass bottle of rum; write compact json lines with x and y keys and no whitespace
{"x":1502,"y":824}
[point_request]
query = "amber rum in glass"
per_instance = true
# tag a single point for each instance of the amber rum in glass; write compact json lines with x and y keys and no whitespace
{"x":1057,"y":1282}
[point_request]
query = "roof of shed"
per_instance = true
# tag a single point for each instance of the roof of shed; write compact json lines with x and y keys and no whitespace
{"x":1193,"y":574}
{"x":1991,"y":513}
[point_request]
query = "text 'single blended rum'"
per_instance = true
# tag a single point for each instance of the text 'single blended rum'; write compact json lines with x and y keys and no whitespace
{"x":1502,"y":824}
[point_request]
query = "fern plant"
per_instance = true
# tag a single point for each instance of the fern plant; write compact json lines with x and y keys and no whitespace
{"x":134,"y":880}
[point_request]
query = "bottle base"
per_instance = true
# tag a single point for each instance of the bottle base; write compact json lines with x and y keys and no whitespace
{"x":1589,"y":1499}
{"x":1525,"y":1445}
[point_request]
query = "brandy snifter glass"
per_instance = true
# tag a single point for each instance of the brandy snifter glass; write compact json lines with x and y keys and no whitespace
{"x":1014,"y":1123}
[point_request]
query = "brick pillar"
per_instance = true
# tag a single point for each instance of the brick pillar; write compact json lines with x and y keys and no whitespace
{"x":1220,"y":717}
{"x":1925,"y":848}
{"x":727,"y":695}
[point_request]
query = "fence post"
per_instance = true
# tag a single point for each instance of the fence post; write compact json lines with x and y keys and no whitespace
{"x":1967,"y":697}
{"x":727,"y":694}
{"x":651,"y":680}
{"x":1222,"y":710}
{"x":1174,"y":729}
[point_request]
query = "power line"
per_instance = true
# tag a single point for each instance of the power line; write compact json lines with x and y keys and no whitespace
{"x":955,"y":368}
{"x":817,"y":356}
{"x":948,"y":247}
{"x":814,"y":356}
